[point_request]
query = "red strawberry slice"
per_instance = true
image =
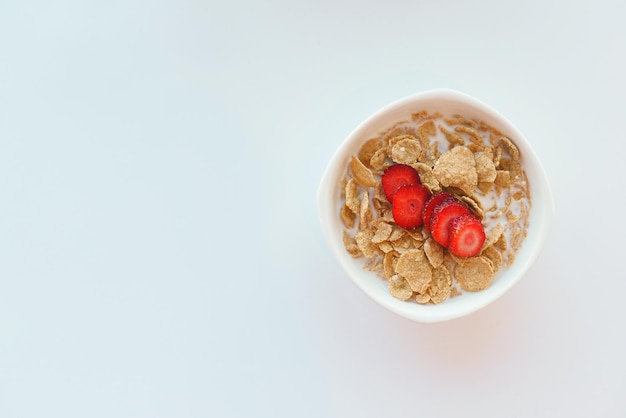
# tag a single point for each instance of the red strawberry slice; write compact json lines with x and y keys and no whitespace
{"x":408,"y":205}
{"x":430,"y":206}
{"x":396,"y":176}
{"x":441,"y":217}
{"x":467,"y":236}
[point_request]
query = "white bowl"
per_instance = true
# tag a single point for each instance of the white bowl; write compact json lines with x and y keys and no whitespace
{"x":446,"y":102}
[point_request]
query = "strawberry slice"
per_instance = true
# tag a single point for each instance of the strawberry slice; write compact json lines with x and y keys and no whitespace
{"x":441,"y":217}
{"x":396,"y":176}
{"x":467,"y":236}
{"x":408,"y":205}
{"x":430,"y":206}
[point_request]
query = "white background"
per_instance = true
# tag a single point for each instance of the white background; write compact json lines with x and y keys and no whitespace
{"x":160,"y":252}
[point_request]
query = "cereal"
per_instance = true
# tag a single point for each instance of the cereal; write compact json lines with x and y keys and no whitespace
{"x":386,"y":247}
{"x":434,"y":252}
{"x":362,"y":174}
{"x":442,"y":285}
{"x":347,"y":216}
{"x":457,"y":168}
{"x":416,"y":235}
{"x":473,"y":135}
{"x":425,"y":131}
{"x":511,"y":217}
{"x":474,"y":274}
{"x":350,"y":244}
{"x":368,"y":150}
{"x":454,"y":292}
{"x":493,"y":235}
{"x":399,"y":288}
{"x":364,"y":242}
{"x":383,"y":231}
{"x":474,"y":205}
{"x":485,"y":169}
{"x":497,"y":156}
{"x":510,"y":147}
{"x":377,"y":161}
{"x":503,"y":178}
{"x":423,"y":299}
{"x":419,"y":115}
{"x":389,"y":263}
{"x":374,"y":265}
{"x":352,"y":196}
{"x":494,"y":256}
{"x":406,"y":243}
{"x":397,"y":233}
{"x":512,"y":166}
{"x":395,"y":139}
{"x":434,"y":150}
{"x":415,"y":268}
{"x":365,"y":212}
{"x":501,"y":243}
{"x":427,"y":176}
{"x":467,"y":158}
{"x":453,"y":138}
{"x":459,"y":120}
{"x":393,"y":132}
{"x":406,"y":151}
{"x":484,"y":187}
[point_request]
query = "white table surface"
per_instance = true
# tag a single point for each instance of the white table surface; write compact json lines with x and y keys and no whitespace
{"x":160,"y":251}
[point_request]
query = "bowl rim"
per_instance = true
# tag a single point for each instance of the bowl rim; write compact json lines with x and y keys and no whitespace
{"x":544,"y":215}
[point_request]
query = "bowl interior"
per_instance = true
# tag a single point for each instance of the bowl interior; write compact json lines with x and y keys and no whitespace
{"x":446,"y":102}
